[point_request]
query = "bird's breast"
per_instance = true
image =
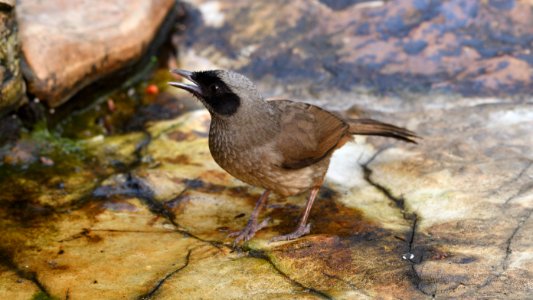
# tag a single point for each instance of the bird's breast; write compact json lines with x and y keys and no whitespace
{"x":259,"y":164}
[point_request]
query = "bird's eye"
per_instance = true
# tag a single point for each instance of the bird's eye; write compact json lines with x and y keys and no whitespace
{"x":214,"y":88}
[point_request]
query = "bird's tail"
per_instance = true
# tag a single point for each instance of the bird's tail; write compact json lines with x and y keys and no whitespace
{"x":373,"y":127}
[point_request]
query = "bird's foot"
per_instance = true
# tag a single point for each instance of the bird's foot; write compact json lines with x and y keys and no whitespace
{"x":300,"y":231}
{"x":249,"y":231}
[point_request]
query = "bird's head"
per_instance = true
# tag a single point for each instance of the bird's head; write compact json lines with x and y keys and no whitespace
{"x":224,"y":93}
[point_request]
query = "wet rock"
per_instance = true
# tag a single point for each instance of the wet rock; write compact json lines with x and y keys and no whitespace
{"x":14,"y":286}
{"x":471,"y":194}
{"x":81,"y":254}
{"x":308,"y":49}
{"x":448,"y":217}
{"x":232,"y":278}
{"x":43,"y":170}
{"x":12,"y":88}
{"x":67,"y":49}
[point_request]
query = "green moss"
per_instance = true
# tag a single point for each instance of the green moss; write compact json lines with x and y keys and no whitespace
{"x":54,"y":144}
{"x":43,"y":296}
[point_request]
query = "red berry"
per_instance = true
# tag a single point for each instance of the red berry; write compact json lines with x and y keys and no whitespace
{"x":152,"y":89}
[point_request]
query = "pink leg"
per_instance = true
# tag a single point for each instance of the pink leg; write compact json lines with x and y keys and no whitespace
{"x":252,"y":227}
{"x":303,"y":228}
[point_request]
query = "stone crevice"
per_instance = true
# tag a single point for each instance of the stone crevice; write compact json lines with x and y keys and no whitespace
{"x":416,"y":278}
{"x":508,"y":243}
{"x":519,"y":193}
{"x":411,"y":217}
{"x":508,"y":251}
{"x":263,"y":256}
{"x":132,"y":231}
{"x":399,"y":202}
{"x":160,"y":283}
{"x":145,"y":193}
{"x":135,"y":187}
{"x":6,"y":260}
{"x":348,"y":283}
{"x":517,"y":177}
{"x":77,"y":203}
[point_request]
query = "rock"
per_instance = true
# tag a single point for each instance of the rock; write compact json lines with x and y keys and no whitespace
{"x":67,"y":49}
{"x":308,"y":49}
{"x":14,"y":287}
{"x":62,"y":171}
{"x":147,"y":214}
{"x":448,"y":217}
{"x":12,"y":88}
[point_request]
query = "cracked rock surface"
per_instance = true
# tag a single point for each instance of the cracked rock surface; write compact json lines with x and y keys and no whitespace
{"x":448,"y":217}
{"x":145,"y":214}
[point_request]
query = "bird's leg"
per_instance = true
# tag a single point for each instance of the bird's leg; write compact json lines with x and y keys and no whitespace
{"x":303,"y":227}
{"x":252,"y":227}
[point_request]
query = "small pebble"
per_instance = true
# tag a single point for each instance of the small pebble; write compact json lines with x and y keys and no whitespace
{"x":111,"y":105}
{"x":46,"y":161}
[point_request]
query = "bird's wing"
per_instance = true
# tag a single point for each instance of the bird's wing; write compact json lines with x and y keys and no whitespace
{"x":308,"y":133}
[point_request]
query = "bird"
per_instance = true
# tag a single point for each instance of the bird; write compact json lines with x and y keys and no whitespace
{"x":283,"y":146}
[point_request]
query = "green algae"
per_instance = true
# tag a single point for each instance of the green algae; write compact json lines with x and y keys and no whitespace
{"x":57,"y":162}
{"x":43,"y":296}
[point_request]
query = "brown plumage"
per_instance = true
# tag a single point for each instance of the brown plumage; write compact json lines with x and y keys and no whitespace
{"x":280,"y":145}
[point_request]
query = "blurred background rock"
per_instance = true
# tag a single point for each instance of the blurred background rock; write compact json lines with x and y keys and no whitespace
{"x":298,"y":48}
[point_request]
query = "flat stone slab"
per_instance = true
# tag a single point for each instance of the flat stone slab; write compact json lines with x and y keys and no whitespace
{"x":66,"y":49}
{"x":446,"y":218}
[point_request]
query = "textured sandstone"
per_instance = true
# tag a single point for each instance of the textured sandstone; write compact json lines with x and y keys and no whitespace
{"x":67,"y":49}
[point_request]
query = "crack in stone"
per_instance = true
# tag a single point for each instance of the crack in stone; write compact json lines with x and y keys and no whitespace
{"x":135,"y":187}
{"x":154,"y":290}
{"x":398,"y":201}
{"x":520,"y":192}
{"x":508,"y":251}
{"x":6,"y":260}
{"x":348,"y":283}
{"x":408,"y":216}
{"x":132,"y":231}
{"x":137,"y":153}
{"x":517,"y":177}
{"x":86,"y":231}
{"x":263,"y":256}
{"x":416,"y":278}
{"x":145,"y":193}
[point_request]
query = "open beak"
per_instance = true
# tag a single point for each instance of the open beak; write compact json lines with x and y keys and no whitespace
{"x":191,"y":88}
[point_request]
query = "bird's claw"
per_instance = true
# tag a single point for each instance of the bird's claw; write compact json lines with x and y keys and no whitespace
{"x":248,"y":232}
{"x":300,"y":231}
